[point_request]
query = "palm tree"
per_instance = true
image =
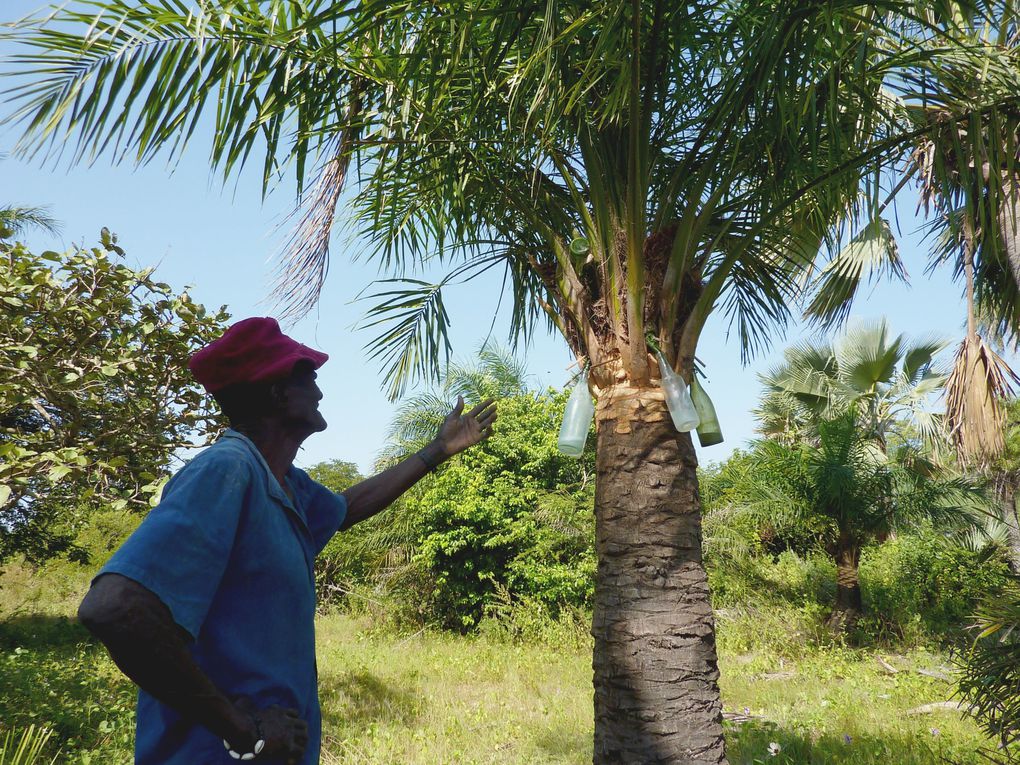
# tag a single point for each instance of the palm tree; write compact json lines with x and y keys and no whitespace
{"x":990,"y":673}
{"x":969,"y":174}
{"x":888,"y":380}
{"x":15,"y":219}
{"x":631,"y":166}
{"x":858,"y":491}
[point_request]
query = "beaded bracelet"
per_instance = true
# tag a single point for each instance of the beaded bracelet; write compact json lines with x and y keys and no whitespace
{"x":256,"y":750}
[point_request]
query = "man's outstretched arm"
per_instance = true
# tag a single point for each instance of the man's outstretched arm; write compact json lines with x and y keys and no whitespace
{"x":150,"y":648}
{"x":457,"y":433}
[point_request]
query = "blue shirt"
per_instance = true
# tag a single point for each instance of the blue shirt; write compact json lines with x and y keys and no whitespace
{"x":232,"y":558}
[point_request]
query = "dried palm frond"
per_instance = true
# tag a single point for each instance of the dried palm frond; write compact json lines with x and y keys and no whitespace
{"x":975,"y":417}
{"x":304,"y":260}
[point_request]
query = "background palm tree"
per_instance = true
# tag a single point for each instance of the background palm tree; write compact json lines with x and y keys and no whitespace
{"x":15,"y":219}
{"x":494,"y":373}
{"x":631,"y":165}
{"x":859,"y":491}
{"x":968,"y":172}
{"x":889,"y":380}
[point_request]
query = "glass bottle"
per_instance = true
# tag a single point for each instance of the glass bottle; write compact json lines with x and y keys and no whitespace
{"x":678,"y":400}
{"x":576,"y":419}
{"x":709,"y":432}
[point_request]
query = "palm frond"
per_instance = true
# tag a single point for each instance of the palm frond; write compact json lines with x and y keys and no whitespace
{"x":975,"y":418}
{"x":871,"y":255}
{"x":15,"y":220}
{"x":415,"y":331}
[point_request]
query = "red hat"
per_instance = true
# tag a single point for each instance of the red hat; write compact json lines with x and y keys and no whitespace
{"x":253,"y":350}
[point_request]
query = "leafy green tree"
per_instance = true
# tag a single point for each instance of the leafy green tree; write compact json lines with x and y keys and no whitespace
{"x":336,"y":475}
{"x":513,"y":516}
{"x":852,"y":491}
{"x":632,"y":166}
{"x":516,"y":524}
{"x":95,"y":395}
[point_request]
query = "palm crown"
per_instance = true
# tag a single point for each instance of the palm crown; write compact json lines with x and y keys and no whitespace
{"x":487,"y":134}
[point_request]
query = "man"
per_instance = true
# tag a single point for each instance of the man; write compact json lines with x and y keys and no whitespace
{"x":209,"y":606}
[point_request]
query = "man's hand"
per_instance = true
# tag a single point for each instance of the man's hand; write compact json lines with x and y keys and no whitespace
{"x":283,"y":730}
{"x":460,"y":431}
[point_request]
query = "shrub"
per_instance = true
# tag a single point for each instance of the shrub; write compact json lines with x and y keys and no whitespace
{"x":512,"y":515}
{"x":918,"y":585}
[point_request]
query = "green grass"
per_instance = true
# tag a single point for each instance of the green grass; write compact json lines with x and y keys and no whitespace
{"x":435,"y":698}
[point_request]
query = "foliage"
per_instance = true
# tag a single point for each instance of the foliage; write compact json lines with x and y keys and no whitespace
{"x":14,"y":220}
{"x":922,"y":584}
{"x":514,"y":513}
{"x":856,"y":488}
{"x":990,"y":672}
{"x":25,"y":749}
{"x":733,"y":526}
{"x":888,"y":380}
{"x":851,"y":492}
{"x":489,"y":132}
{"x":495,"y":373}
{"x":511,"y":529}
{"x":95,"y":396}
{"x":439,"y":698}
{"x":335,"y":475}
{"x":55,"y":676}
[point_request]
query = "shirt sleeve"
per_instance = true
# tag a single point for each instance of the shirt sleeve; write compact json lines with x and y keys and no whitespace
{"x":181,"y":549}
{"x":327,"y":509}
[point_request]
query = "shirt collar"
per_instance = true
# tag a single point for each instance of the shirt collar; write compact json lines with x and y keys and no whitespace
{"x":275,"y":490}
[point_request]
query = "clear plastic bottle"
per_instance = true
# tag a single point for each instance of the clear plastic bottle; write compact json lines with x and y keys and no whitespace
{"x":681,"y":408}
{"x":709,"y":432}
{"x":576,"y":419}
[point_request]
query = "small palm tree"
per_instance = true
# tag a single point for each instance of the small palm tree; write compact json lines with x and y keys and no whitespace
{"x":990,"y":673}
{"x":970,"y":175}
{"x":887,"y":379}
{"x":14,"y":219}
{"x":853,"y":490}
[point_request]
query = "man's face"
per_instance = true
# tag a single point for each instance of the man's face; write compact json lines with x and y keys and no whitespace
{"x":301,"y":399}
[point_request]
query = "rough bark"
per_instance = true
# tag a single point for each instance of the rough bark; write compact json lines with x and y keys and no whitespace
{"x":849,"y":604}
{"x":655,"y":668}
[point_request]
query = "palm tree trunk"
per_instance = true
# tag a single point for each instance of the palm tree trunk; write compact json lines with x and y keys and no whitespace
{"x":1005,"y":488}
{"x":1009,"y":227}
{"x":849,"y":604}
{"x":655,"y":667}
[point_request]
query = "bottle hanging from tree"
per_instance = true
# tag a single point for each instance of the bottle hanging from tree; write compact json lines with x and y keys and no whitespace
{"x":678,"y":400}
{"x":709,"y":432}
{"x":576,"y":419}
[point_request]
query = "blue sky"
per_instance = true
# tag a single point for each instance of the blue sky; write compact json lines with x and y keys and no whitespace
{"x":221,"y":239}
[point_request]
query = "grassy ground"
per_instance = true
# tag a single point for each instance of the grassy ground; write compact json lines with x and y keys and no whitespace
{"x":433,"y":698}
